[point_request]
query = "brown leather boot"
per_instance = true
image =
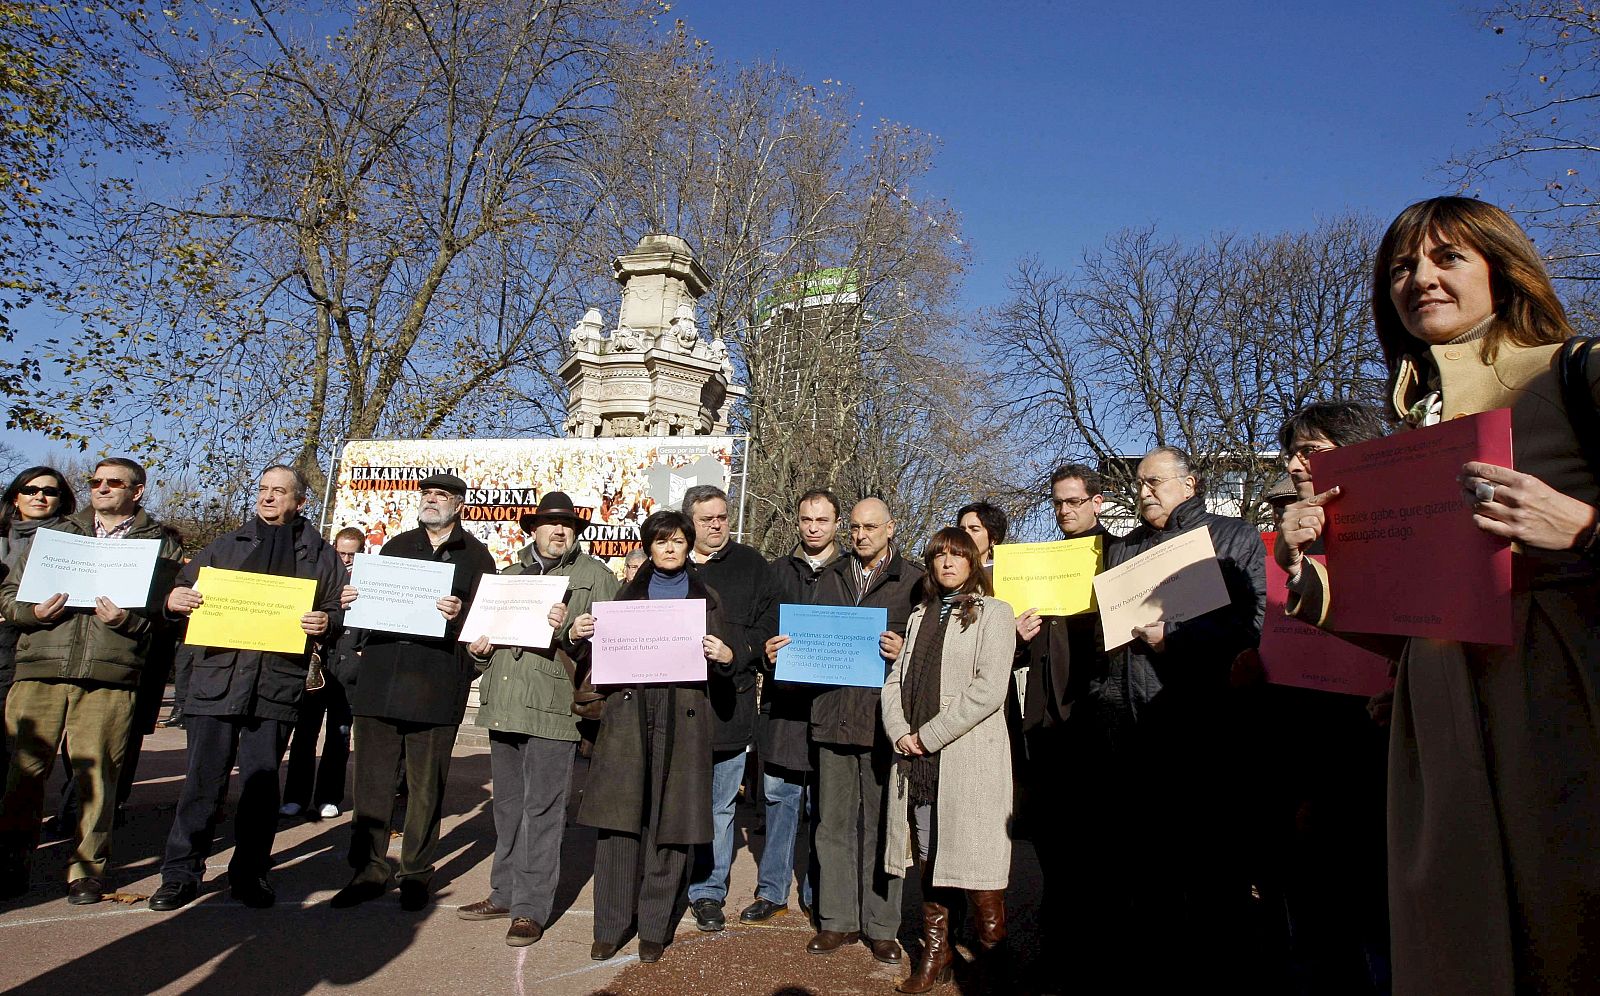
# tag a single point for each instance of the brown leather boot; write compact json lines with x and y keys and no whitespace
{"x":990,"y":914}
{"x":936,"y":956}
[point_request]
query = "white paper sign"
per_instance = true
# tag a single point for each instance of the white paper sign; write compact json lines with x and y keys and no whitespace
{"x":514,"y":610}
{"x":398,"y":594}
{"x":84,"y":566}
{"x":1180,"y":579}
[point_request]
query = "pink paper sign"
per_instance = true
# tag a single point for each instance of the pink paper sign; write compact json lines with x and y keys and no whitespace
{"x":1404,"y":555}
{"x":1300,"y":654}
{"x":649,"y":642}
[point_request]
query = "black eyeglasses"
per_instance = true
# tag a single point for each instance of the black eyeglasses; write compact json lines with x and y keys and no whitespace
{"x":1059,"y":503}
{"x":114,"y":483}
{"x":1305,"y":453}
{"x":48,"y":490}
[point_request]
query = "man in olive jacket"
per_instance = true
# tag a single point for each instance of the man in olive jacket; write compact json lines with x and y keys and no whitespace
{"x":525,"y":702}
{"x":243,"y":703}
{"x":409,"y":702}
{"x":855,"y":897}
{"x":77,"y":674}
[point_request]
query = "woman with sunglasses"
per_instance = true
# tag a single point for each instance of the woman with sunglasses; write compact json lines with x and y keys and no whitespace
{"x":36,"y":497}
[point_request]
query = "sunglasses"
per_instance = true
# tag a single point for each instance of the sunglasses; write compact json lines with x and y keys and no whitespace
{"x":114,"y":483}
{"x":49,"y":491}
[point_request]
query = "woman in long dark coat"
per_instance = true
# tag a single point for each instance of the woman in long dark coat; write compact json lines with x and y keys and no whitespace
{"x":1494,"y":751}
{"x":649,"y":785}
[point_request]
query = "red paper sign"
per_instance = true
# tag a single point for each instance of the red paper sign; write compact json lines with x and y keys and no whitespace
{"x":1300,"y":654}
{"x":1404,"y":556}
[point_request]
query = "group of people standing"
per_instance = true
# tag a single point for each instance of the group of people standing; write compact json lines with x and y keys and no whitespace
{"x":1191,"y":823}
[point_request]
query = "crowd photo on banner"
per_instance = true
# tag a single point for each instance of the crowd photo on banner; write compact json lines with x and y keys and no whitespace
{"x":1356,"y":752}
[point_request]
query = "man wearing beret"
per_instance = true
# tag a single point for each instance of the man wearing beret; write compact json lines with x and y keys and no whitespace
{"x":526,"y":705}
{"x":408,"y":704}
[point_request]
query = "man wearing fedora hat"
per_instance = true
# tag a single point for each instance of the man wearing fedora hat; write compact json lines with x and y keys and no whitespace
{"x":409,"y":704}
{"x":525,"y":702}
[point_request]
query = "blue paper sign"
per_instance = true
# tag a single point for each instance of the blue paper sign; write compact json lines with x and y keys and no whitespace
{"x":832,"y":645}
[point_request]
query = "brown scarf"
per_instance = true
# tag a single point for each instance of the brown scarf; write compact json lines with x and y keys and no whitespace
{"x":919,"y":698}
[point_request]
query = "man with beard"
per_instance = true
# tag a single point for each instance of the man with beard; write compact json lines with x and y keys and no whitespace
{"x":243,"y":703}
{"x":409,"y":702}
{"x":526,"y":705}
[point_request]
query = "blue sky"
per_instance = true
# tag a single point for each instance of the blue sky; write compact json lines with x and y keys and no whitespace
{"x":1064,"y":122}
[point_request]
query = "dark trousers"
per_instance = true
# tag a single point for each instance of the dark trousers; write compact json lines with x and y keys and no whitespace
{"x":531,"y":778}
{"x":631,"y":871}
{"x":216,"y":743}
{"x":854,"y":892}
{"x":307,"y":783}
{"x":182,"y":667}
{"x":379,"y":747}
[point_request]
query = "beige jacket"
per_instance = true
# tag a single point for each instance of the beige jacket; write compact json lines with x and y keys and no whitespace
{"x":970,"y":734}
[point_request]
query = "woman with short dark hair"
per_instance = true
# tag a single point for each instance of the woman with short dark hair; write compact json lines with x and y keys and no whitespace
{"x":950,"y":798}
{"x":36,"y":497}
{"x":649,"y":786}
{"x":1494,"y":757}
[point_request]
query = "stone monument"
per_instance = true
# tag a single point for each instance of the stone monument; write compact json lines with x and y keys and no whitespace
{"x":654,"y":374}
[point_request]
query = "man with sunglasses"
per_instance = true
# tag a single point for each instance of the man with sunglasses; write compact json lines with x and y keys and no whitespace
{"x":408,"y":705}
{"x":78,"y":672}
{"x":1062,"y":775}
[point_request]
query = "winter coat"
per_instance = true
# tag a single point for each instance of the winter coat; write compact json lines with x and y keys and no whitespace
{"x":1066,"y":660}
{"x":13,"y":557}
{"x":226,"y":682}
{"x":741,"y":578}
{"x":525,"y":690}
{"x":1494,"y":751}
{"x":783,"y":729}
{"x":421,"y":679}
{"x":972,"y":849}
{"x":848,"y":716}
{"x":77,"y":646}
{"x":1190,"y":675}
{"x":617,"y":793}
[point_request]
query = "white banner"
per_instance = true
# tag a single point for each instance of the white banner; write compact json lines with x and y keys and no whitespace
{"x":615,"y":484}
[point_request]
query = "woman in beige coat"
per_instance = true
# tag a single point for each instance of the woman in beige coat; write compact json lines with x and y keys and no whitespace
{"x":1494,"y":758}
{"x":950,"y":796}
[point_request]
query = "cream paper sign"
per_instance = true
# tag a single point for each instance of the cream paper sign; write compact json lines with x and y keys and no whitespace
{"x":1178,"y":580}
{"x":513,"y":610}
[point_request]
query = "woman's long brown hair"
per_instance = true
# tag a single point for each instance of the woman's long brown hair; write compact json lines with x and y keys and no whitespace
{"x":1527,"y":310}
{"x":956,"y":541}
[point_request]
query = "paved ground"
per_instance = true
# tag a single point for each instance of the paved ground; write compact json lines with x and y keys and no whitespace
{"x":304,"y":946}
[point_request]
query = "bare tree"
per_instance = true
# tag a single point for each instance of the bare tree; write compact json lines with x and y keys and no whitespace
{"x":1543,"y":127}
{"x":832,"y":281}
{"x":387,"y":242}
{"x":1206,"y":346}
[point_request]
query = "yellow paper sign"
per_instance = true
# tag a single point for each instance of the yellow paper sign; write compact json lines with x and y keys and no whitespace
{"x":245,"y":611}
{"x":1055,"y":578}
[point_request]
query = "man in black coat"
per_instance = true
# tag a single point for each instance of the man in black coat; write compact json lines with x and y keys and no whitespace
{"x":1186,"y":760}
{"x":409,"y":701}
{"x":243,"y":703}
{"x":739,"y":576}
{"x":1067,"y":801}
{"x":856,"y":898}
{"x":783,"y":727}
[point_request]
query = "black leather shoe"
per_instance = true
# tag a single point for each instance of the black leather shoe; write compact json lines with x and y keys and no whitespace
{"x":356,"y":893}
{"x":826,"y":941}
{"x":708,"y":915}
{"x":174,"y":896}
{"x":761,"y":911}
{"x":413,"y":895}
{"x":602,"y":951}
{"x":253,"y":891}
{"x":13,"y":876}
{"x":650,"y":952}
{"x":85,"y":891}
{"x":887,"y":952}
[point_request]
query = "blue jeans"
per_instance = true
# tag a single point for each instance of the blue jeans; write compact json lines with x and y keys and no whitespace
{"x":709,"y":879}
{"x":788,"y":799}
